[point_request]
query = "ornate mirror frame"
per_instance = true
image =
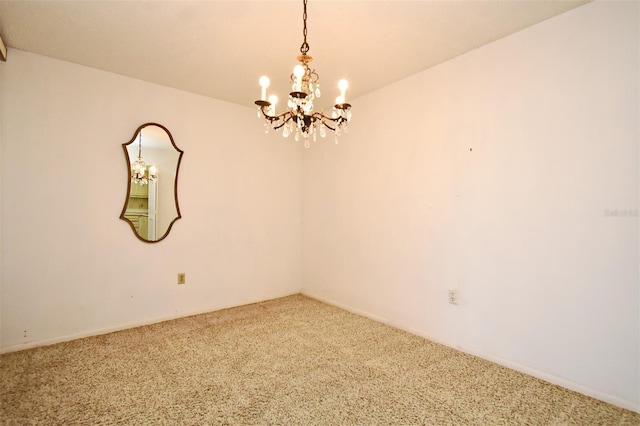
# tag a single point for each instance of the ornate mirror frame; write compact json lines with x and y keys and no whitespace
{"x":129,"y":182}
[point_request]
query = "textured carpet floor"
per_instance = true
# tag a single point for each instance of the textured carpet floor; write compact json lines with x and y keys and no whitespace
{"x":290,"y":361}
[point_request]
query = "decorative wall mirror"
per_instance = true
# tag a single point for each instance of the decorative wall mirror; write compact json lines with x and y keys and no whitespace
{"x":153,"y":161}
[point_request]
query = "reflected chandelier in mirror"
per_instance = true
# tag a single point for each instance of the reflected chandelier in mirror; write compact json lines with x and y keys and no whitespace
{"x":153,"y":162}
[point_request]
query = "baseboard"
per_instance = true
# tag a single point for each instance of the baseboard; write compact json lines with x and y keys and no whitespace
{"x":550,"y":378}
{"x":567,"y":384}
{"x":68,"y":338}
{"x":346,"y":308}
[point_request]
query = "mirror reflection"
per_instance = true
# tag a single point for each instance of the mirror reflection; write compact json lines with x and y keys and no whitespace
{"x":153,"y":162}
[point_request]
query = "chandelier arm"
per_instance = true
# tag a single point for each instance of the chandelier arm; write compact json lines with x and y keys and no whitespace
{"x":326,"y":120}
{"x":285,"y":121}
{"x":285,"y":117}
{"x":271,"y":117}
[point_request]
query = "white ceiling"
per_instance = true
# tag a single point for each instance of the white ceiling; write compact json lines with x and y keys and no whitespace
{"x":220,"y":48}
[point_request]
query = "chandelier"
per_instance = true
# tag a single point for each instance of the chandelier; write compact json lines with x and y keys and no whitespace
{"x":300,"y":119}
{"x":139,"y":173}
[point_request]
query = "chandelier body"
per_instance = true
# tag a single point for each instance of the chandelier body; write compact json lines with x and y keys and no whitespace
{"x":300,"y":119}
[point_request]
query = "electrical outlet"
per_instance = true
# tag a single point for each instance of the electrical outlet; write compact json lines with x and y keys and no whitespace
{"x":453,"y":297}
{"x":182,"y":278}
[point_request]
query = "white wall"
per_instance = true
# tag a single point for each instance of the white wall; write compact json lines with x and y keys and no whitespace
{"x":71,"y":267}
{"x":494,"y":174}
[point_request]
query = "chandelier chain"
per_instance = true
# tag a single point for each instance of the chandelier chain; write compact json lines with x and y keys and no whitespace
{"x":304,"y":49}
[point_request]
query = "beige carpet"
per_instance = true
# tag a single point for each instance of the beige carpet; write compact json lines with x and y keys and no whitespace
{"x":290,"y":361}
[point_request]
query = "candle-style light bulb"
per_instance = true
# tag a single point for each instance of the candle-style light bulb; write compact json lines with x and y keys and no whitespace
{"x":273,"y":100}
{"x":343,"y":85}
{"x":298,"y":72}
{"x":264,"y":83}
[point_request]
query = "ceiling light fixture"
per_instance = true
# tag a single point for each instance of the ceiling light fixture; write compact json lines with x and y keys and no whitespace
{"x":139,"y":173}
{"x":300,"y":119}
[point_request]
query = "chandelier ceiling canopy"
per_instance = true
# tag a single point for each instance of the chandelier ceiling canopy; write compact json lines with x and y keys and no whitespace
{"x":300,"y":119}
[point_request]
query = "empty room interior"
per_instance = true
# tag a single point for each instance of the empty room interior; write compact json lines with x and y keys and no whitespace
{"x":475,"y":186}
